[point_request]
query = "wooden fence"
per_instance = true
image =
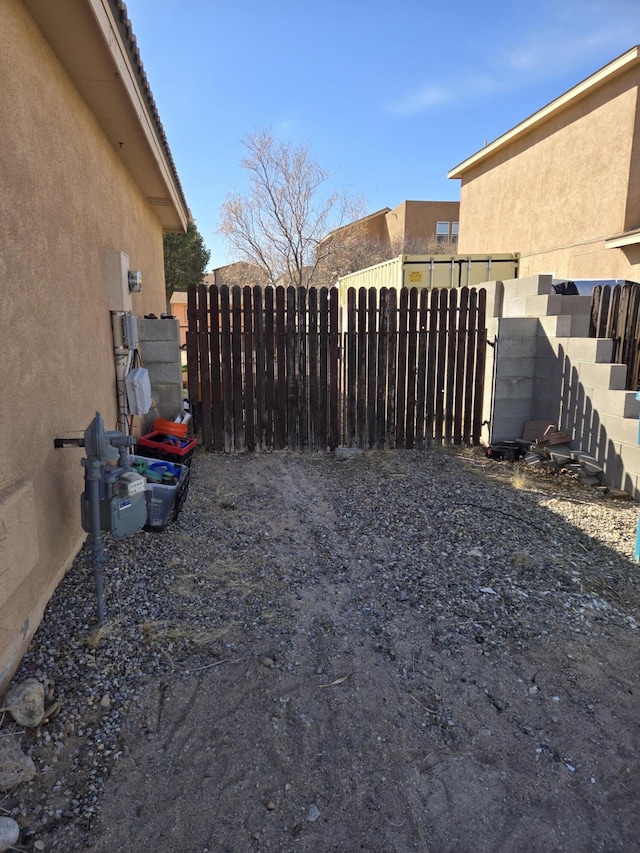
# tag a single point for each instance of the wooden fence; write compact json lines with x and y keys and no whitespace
{"x":615,"y":313}
{"x":279,"y":368}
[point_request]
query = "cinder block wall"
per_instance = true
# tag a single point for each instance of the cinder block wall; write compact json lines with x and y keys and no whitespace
{"x":160,"y":349}
{"x":545,"y":366}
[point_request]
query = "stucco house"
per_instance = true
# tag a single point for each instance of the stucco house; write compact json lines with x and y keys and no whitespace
{"x":86,"y":175}
{"x":408,"y":228}
{"x":562,"y":188}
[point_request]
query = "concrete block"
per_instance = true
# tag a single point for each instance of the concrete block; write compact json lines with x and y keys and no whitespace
{"x":513,"y":408}
{"x":621,"y":430}
{"x":560,"y":453}
{"x":517,"y":327}
{"x":542,"y":306}
{"x":548,"y":410}
{"x":576,"y":305}
{"x":514,"y":306}
{"x":517,"y":347}
{"x":630,"y":458}
{"x":556,"y":327}
{"x":580,"y":325}
{"x":610,"y":376}
{"x":165,"y":373}
{"x":507,"y":428}
{"x":160,"y":352}
{"x":547,"y":389}
{"x":620,"y":403}
{"x":514,"y":367}
{"x":596,"y":350}
{"x":495,"y":297}
{"x":550,"y":368}
{"x":158,"y":330}
{"x":514,"y":388}
{"x":532,"y":285}
{"x":168,"y":400}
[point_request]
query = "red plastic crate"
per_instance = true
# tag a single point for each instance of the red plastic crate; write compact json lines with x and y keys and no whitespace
{"x":158,"y":445}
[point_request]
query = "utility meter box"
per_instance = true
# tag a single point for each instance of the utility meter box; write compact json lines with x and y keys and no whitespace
{"x":123,"y":504}
{"x":118,"y":281}
{"x":138,"y":388}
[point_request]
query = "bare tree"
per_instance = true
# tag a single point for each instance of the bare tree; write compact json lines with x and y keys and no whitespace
{"x":281,"y":222}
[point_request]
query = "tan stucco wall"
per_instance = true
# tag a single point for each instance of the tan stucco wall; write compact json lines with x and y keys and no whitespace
{"x":417,"y":220}
{"x":556,"y":193}
{"x":65,"y":200}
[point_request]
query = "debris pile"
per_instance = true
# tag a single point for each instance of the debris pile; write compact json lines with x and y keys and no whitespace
{"x":546,"y":447}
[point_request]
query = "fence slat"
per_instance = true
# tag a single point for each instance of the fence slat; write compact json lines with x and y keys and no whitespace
{"x":450,"y":368}
{"x":381,"y":368}
{"x":421,"y":374}
{"x":323,"y":437}
{"x":313,"y":371}
{"x":412,"y":325}
{"x":461,"y":355}
{"x":441,"y":366}
{"x":292,"y":378}
{"x":352,"y":376}
{"x":203,"y":365}
{"x":192,"y":353}
{"x":481,"y":357}
{"x":270,"y":364}
{"x":431,"y":366}
{"x":258,"y":326}
{"x":301,"y":352}
{"x":249,"y":392}
{"x":227,"y":377}
{"x":334,"y":376}
{"x":372,"y":339}
{"x":470,"y":368}
{"x":361,"y":392}
{"x":217,"y":412}
{"x":236,"y":366}
{"x":401,"y":379}
{"x":281,"y":388}
{"x":390,"y":437}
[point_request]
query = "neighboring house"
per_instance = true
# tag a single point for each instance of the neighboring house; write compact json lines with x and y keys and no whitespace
{"x":85,"y":169}
{"x":413,"y":227}
{"x":562,"y":188}
{"x":179,"y":310}
{"x":239,"y":273}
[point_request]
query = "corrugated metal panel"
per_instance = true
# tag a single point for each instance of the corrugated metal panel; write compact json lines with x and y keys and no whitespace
{"x":431,"y":271}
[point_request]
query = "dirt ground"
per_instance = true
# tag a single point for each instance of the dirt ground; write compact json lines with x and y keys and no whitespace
{"x":371,"y":690}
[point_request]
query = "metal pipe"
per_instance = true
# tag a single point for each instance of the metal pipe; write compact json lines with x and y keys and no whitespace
{"x":98,"y":555}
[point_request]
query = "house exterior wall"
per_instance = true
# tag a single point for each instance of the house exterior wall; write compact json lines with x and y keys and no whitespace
{"x":66,"y":199}
{"x":416,"y":220}
{"x":555,"y":193}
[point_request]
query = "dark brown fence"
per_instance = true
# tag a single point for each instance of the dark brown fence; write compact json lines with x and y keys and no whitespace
{"x":615,"y":313}
{"x":287,"y":368}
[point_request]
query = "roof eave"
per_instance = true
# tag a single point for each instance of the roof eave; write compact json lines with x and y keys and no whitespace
{"x":94,"y":43}
{"x":594,"y":81}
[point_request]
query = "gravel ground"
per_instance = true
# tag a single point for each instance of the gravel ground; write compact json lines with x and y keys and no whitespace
{"x":404,"y":651}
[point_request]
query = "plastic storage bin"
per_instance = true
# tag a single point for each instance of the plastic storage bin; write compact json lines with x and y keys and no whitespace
{"x":170,"y":427}
{"x":164,"y":501}
{"x":158,"y":445}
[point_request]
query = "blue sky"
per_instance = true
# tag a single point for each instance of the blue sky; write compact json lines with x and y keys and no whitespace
{"x":389,"y":96}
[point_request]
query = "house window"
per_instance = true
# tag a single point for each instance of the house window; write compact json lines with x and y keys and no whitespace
{"x":454,"y":232}
{"x":442,"y":232}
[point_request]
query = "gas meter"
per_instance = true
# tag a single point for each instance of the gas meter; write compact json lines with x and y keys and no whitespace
{"x":123,"y":505}
{"x":121,"y":490}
